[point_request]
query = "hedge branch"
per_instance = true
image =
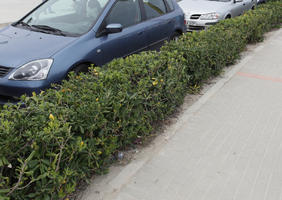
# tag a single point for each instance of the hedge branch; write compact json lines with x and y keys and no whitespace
{"x":20,"y":178}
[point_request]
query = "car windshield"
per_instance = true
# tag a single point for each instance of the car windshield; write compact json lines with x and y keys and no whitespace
{"x":74,"y":17}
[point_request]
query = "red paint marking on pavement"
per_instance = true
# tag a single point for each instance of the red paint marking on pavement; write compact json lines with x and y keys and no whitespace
{"x":266,"y":78}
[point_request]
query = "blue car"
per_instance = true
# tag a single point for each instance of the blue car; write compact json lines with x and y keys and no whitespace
{"x":60,"y":36}
{"x":261,"y":1}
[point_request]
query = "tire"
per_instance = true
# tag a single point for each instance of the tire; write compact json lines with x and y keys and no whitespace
{"x":78,"y":69}
{"x":228,"y":17}
{"x":175,"y":36}
{"x":81,"y":68}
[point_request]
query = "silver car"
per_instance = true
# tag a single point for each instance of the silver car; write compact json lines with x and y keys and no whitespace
{"x":201,"y":14}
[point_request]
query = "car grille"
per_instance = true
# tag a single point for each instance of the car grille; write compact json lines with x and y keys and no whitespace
{"x":196,"y":28}
{"x":4,"y":71}
{"x":195,"y":16}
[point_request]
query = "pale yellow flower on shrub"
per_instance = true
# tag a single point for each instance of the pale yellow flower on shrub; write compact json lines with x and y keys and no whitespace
{"x":51,"y":117}
{"x":78,"y":77}
{"x":97,"y":99}
{"x":155,"y":83}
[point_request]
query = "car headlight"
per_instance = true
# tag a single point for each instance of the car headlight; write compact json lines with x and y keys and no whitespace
{"x":35,"y":70}
{"x":209,"y":16}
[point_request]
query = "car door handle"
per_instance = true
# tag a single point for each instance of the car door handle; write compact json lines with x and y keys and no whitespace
{"x":140,"y":33}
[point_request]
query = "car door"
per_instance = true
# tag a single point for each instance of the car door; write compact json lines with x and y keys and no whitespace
{"x":130,"y":40}
{"x":237,"y":7}
{"x":158,"y":23}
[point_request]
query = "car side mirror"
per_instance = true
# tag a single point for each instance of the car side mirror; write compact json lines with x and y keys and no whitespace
{"x":110,"y":28}
{"x":113,"y":28}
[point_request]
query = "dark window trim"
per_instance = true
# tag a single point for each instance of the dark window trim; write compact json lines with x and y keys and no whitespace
{"x":167,"y":6}
{"x":142,"y":9}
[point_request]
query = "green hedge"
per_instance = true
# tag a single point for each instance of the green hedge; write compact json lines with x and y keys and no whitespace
{"x":64,"y":135}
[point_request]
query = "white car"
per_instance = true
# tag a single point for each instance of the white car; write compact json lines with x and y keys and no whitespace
{"x":201,"y":14}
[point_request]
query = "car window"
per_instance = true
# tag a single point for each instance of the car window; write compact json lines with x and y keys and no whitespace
{"x":154,"y":8}
{"x":124,"y":12}
{"x":170,"y":4}
{"x":72,"y":16}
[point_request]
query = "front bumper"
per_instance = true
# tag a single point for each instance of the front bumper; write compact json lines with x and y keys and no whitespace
{"x":199,"y":25}
{"x":10,"y":90}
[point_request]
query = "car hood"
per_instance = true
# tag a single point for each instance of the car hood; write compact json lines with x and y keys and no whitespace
{"x":202,"y":6}
{"x":19,"y":46}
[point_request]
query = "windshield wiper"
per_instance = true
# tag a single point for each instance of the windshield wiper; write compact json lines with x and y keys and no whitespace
{"x":23,"y":24}
{"x":49,"y":29}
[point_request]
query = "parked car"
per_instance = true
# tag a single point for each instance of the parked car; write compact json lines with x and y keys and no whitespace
{"x":60,"y":36}
{"x":261,"y":1}
{"x":201,"y":14}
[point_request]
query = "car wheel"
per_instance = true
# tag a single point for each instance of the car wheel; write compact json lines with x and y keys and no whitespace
{"x":175,"y":36}
{"x":78,"y":69}
{"x":81,"y":68}
{"x":228,"y":17}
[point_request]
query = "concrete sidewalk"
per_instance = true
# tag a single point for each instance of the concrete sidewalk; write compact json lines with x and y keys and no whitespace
{"x":13,"y":10}
{"x":227,"y":146}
